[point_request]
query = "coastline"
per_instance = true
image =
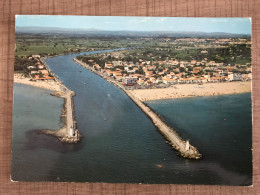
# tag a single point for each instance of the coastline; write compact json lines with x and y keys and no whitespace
{"x":192,"y":90}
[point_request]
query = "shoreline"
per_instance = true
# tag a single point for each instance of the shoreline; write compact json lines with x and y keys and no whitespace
{"x":50,"y":85}
{"x":192,"y":90}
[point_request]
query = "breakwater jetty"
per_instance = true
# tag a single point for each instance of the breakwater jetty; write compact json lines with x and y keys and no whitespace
{"x":69,"y":133}
{"x":183,"y":147}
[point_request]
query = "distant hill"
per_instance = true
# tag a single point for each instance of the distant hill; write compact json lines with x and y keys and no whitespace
{"x":97,"y":32}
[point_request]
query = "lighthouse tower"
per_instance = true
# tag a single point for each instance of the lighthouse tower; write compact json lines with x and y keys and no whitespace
{"x":71,"y":131}
{"x":187,"y":146}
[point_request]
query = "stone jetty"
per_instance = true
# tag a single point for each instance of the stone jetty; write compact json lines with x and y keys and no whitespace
{"x":183,"y":147}
{"x":69,"y":133}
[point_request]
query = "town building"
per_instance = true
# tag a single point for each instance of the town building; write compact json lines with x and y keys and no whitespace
{"x":129,"y":80}
{"x":235,"y":77}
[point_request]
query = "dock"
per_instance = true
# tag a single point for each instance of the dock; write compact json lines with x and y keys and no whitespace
{"x":184,"y":148}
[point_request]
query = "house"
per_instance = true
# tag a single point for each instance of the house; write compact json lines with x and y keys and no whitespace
{"x":135,"y":68}
{"x":34,"y":72}
{"x":116,"y":63}
{"x":200,"y":80}
{"x":148,"y":82}
{"x":40,"y":66}
{"x":148,"y":73}
{"x":217,"y":79}
{"x":36,"y":76}
{"x":169,"y":81}
{"x":204,"y":51}
{"x":107,"y":65}
{"x":31,"y":67}
{"x":108,"y":72}
{"x":171,"y":75}
{"x":140,"y":82}
{"x":193,"y":62}
{"x":229,"y":69}
{"x":131,"y":71}
{"x":44,"y":72}
{"x":36,"y":56}
{"x":246,"y":77}
{"x":96,"y":66}
{"x":184,"y":80}
{"x":137,"y":75}
{"x":117,"y":73}
{"x":196,"y":70}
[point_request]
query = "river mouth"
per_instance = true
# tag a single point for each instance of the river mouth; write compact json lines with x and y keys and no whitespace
{"x":122,"y":145}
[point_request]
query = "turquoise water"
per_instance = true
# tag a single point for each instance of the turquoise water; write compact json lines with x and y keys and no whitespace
{"x":120,"y":142}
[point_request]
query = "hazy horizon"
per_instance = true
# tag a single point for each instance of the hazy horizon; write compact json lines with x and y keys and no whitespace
{"x":90,"y":29}
{"x":137,"y":24}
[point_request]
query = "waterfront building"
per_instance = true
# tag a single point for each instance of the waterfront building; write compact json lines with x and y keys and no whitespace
{"x":129,"y":80}
{"x":235,"y":77}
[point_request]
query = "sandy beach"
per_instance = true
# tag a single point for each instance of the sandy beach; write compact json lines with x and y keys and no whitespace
{"x":51,"y":85}
{"x":190,"y":90}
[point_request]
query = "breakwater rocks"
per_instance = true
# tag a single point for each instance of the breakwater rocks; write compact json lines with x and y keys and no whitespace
{"x":61,"y":134}
{"x":71,"y":140}
{"x":58,"y":94}
{"x":69,"y":133}
{"x":183,"y":147}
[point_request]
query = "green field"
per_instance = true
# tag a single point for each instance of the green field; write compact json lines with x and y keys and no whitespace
{"x":27,"y":44}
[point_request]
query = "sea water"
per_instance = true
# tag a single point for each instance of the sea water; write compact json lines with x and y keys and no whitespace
{"x":120,"y":142}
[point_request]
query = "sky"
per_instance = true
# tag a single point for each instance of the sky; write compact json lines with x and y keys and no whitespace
{"x":116,"y":23}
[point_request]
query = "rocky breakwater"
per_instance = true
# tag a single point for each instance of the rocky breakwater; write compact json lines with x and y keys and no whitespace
{"x":69,"y":132}
{"x":184,"y":148}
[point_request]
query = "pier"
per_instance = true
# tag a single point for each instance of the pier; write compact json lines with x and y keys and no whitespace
{"x":183,"y":147}
{"x":69,"y":133}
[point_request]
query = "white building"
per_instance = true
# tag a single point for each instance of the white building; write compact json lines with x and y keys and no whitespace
{"x":235,"y":77}
{"x":71,"y":132}
{"x":129,"y":80}
{"x":116,"y":63}
{"x":187,"y":145}
{"x":36,"y":56}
